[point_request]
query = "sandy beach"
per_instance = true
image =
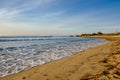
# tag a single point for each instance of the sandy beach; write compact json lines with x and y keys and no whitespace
{"x":98,"y":63}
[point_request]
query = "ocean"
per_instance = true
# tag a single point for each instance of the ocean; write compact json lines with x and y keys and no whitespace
{"x":19,"y":53}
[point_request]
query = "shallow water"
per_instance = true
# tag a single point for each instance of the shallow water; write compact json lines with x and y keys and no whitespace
{"x":20,"y":53}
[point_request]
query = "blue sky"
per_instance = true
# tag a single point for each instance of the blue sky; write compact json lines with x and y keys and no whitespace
{"x":58,"y":17}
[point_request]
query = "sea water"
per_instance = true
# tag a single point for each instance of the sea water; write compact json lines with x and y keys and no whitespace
{"x":18,"y":53}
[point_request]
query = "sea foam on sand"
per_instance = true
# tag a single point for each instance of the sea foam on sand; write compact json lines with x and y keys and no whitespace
{"x":17,"y":54}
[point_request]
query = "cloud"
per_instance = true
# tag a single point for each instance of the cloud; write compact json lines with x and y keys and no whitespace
{"x":33,"y":4}
{"x":11,"y":10}
{"x":6,"y":14}
{"x":42,"y":16}
{"x":53,"y":14}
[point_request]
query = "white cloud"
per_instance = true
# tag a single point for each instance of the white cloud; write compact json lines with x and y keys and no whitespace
{"x":14,"y":8}
{"x":53,"y":14}
{"x":50,"y":22}
{"x":6,"y":14}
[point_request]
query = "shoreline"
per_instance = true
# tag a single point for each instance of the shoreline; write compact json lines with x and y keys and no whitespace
{"x":16,"y":61}
{"x":92,"y":63}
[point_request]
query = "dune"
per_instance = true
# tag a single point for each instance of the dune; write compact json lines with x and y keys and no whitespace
{"x":97,"y":63}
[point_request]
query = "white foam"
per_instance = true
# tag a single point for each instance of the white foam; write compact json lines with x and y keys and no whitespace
{"x":33,"y":53}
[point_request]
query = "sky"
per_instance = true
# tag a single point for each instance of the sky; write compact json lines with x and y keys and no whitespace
{"x":58,"y":17}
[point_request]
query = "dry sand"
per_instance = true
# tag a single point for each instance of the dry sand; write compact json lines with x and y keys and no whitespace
{"x":98,"y":63}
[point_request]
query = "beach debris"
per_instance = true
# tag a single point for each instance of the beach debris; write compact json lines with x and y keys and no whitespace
{"x":102,"y":78}
{"x":110,"y":66}
{"x":105,"y":60}
{"x":105,"y":72}
{"x":117,"y":72}
{"x":24,"y":77}
{"x":87,"y":76}
{"x":116,"y":76}
{"x":45,"y":75}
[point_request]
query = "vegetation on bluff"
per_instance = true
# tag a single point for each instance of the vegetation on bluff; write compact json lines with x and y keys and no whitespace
{"x":98,"y":33}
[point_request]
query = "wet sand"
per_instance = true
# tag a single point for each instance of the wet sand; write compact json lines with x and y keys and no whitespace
{"x":98,"y":63}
